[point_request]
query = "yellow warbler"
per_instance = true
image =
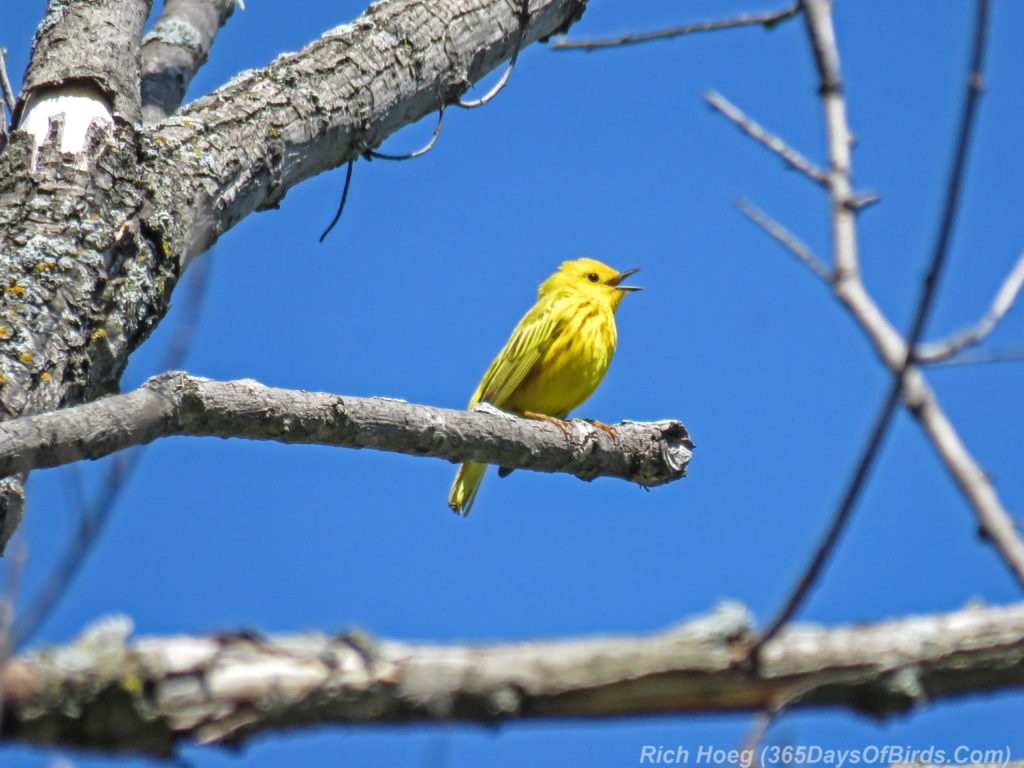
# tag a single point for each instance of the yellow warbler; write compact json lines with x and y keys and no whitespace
{"x":556,"y":356}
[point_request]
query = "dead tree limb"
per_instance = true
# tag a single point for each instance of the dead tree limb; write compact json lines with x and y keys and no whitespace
{"x":152,"y":694}
{"x":649,"y":453}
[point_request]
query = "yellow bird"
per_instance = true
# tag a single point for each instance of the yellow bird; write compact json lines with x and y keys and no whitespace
{"x":556,"y":356}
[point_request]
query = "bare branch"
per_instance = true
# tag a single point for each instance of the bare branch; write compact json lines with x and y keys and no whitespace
{"x":790,"y":156}
{"x":1001,"y":304}
{"x":179,"y":404}
{"x":818,"y":15}
{"x":767,"y":20}
{"x":174,"y":50}
{"x":227,"y":688}
{"x":1012,"y":353}
{"x":787,"y":239}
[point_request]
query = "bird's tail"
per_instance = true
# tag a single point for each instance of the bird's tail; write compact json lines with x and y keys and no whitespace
{"x":467,"y":483}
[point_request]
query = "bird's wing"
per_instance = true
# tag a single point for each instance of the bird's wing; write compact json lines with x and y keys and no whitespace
{"x":522,"y":352}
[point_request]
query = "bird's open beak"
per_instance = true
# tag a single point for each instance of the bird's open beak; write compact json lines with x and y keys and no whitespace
{"x":622,"y":276}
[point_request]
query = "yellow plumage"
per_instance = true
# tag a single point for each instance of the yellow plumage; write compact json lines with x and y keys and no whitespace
{"x":555,"y":357}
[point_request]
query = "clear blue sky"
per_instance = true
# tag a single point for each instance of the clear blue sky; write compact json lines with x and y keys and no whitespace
{"x":612,"y":155}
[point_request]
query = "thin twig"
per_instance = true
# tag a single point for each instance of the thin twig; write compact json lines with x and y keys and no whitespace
{"x":344,"y":198}
{"x":1009,"y":354}
{"x":774,"y":143}
{"x":419,"y":152}
{"x":14,"y":569}
{"x":94,"y":517}
{"x":786,"y":238}
{"x":767,"y":20}
{"x":819,"y":25}
{"x":969,"y":337}
{"x":523,"y":17}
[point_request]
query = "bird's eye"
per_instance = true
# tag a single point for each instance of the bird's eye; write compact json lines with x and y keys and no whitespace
{"x":592,"y":277}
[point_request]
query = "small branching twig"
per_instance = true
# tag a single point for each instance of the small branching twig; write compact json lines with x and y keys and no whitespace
{"x":1013,"y":353}
{"x":767,"y":20}
{"x":1002,"y":303}
{"x":787,"y":239}
{"x":818,"y":15}
{"x":790,"y":156}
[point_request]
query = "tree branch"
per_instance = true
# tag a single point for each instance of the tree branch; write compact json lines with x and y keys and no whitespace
{"x":226,"y":688}
{"x":245,"y":145}
{"x":174,"y":50}
{"x":770,"y":141}
{"x":786,"y":239}
{"x":821,"y":32}
{"x":1001,"y":304}
{"x":766,"y":20}
{"x":179,"y":404}
{"x":85,"y":64}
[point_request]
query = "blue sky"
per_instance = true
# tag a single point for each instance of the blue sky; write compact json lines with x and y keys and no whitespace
{"x":612,"y":155}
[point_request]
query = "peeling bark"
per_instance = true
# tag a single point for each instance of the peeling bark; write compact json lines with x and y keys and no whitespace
{"x":153,"y":694}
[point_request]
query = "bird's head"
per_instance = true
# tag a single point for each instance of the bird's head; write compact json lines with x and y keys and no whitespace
{"x":592,"y":279}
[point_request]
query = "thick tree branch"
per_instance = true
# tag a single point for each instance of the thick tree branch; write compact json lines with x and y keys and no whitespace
{"x":246,"y":144}
{"x":152,"y":694}
{"x":82,"y":53}
{"x":174,"y":50}
{"x":179,"y":404}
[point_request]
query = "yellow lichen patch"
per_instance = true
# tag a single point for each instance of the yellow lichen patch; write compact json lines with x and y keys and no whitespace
{"x":197,"y":152}
{"x":44,"y":266}
{"x":99,"y":333}
{"x":132,"y":683}
{"x":26,"y":357}
{"x":3,"y":379}
{"x":5,"y":332}
{"x":45,"y":376}
{"x":274,"y":133}
{"x":16,"y":290}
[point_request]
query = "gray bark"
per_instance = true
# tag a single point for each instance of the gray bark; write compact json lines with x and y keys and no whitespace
{"x":152,"y":694}
{"x":175,"y":49}
{"x":179,"y":404}
{"x":92,"y":245}
{"x":95,"y":44}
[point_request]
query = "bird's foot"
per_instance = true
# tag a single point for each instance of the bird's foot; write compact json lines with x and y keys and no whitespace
{"x":602,"y":426}
{"x":562,"y":425}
